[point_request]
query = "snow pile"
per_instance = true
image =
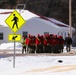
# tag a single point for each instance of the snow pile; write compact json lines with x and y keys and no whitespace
{"x":5,"y":46}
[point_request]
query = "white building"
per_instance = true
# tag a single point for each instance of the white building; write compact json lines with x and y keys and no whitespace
{"x":34,"y":25}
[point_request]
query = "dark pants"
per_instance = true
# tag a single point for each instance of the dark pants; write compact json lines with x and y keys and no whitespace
{"x":68,"y":47}
{"x":39,"y":48}
{"x":61,"y":48}
{"x":23,"y":49}
{"x":47,"y":49}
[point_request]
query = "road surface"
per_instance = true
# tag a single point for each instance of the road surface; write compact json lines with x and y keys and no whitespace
{"x":7,"y":53}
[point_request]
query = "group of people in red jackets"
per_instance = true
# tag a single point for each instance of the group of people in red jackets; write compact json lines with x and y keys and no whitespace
{"x":48,"y":43}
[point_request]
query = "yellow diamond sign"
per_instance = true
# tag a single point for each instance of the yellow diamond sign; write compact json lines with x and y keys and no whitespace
{"x":13,"y":37}
{"x":15,"y":21}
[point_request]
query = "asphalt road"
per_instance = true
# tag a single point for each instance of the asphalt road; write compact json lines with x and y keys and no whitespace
{"x":8,"y":53}
{"x":38,"y":54}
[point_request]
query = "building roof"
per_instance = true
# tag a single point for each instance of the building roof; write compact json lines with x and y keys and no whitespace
{"x":4,"y":13}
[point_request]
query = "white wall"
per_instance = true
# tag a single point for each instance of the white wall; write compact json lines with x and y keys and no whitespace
{"x":34,"y":27}
{"x":6,"y":31}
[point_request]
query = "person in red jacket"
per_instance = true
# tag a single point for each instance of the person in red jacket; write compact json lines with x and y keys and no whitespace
{"x":37,"y":42}
{"x":33,"y":46}
{"x":51,"y":38}
{"x":28,"y":43}
{"x":45,"y":44}
{"x":48,"y":44}
{"x":61,"y":43}
{"x":54,"y":43}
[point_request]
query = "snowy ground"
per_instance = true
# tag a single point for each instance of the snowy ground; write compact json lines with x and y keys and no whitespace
{"x":36,"y":65}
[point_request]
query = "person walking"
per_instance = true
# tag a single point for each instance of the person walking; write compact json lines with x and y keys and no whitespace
{"x":15,"y":19}
{"x":23,"y":42}
{"x":68,"y":42}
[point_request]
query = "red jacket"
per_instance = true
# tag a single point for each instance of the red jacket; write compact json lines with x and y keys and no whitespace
{"x":61,"y":41}
{"x":28,"y":41}
{"x":55,"y":41}
{"x":37,"y":41}
{"x":33,"y":40}
{"x":45,"y":42}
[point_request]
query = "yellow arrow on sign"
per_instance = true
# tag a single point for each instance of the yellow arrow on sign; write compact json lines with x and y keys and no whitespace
{"x":16,"y":37}
{"x":15,"y":21}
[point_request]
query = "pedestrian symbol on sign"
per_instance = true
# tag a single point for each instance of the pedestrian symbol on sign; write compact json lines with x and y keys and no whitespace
{"x":15,"y":19}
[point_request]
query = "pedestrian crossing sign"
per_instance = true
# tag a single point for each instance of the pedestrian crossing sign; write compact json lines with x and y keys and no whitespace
{"x":15,"y":21}
{"x":14,"y":37}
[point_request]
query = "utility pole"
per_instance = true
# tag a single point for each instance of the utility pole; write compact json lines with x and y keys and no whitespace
{"x":70,"y":17}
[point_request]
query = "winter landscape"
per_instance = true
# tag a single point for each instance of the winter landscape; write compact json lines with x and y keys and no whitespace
{"x":40,"y":64}
{"x":41,"y":17}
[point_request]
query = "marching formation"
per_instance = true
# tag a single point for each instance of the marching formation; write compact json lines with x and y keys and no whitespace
{"x":48,"y":43}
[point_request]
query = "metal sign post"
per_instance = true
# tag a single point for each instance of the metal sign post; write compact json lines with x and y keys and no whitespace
{"x":14,"y":38}
{"x":14,"y":54}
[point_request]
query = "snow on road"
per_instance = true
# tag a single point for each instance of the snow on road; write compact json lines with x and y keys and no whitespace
{"x":37,"y":65}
